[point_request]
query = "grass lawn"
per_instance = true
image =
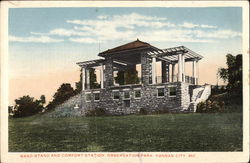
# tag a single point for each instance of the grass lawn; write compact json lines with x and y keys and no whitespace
{"x":165,"y":132}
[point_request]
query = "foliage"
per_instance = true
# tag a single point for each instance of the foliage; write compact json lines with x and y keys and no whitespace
{"x":10,"y":110}
{"x":43,"y":99}
{"x":92,"y":76}
{"x":64,"y":92}
{"x":147,"y":133}
{"x":79,"y":84}
{"x":218,"y":90}
{"x":93,"y":82}
{"x":120,"y":78}
{"x":233,"y":73}
{"x":232,"y":102}
{"x":129,"y":76}
{"x":96,"y":112}
{"x":210,"y":106}
{"x":143,"y":111}
{"x":27,"y":106}
{"x":201,"y":106}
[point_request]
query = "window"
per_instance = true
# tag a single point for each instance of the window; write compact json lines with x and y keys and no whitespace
{"x":160,"y":92}
{"x":88,"y":97}
{"x":172,"y":91}
{"x":116,"y":95}
{"x":127,"y":103}
{"x":137,"y":93}
{"x":97,"y":96}
{"x":126,"y":95}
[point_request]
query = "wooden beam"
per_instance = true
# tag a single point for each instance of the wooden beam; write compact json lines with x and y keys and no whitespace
{"x":164,"y":59}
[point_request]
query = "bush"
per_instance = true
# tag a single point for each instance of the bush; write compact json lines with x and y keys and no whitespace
{"x":201,"y":107}
{"x":63,"y":93}
{"x":96,"y":112}
{"x":27,"y":106}
{"x":143,"y":111}
{"x":210,"y":106}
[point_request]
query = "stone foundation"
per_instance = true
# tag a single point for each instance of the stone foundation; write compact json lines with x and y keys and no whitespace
{"x":150,"y":100}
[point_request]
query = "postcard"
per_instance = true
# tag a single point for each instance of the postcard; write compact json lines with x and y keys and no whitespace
{"x":125,"y":81}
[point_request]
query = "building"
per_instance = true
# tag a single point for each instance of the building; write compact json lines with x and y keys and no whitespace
{"x":171,"y":91}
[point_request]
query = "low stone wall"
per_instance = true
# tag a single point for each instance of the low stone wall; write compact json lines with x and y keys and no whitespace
{"x":149,"y":100}
{"x":68,"y":108}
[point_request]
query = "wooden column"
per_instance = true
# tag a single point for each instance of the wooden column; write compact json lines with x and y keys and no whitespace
{"x":194,"y":74}
{"x":102,"y":76}
{"x":83,"y":79}
{"x":183,"y":67}
{"x":153,"y":70}
{"x":180,"y":67}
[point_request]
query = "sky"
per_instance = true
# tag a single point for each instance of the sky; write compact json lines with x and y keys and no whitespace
{"x":46,"y":43}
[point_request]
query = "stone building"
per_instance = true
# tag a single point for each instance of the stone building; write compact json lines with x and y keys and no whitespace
{"x":162,"y":85}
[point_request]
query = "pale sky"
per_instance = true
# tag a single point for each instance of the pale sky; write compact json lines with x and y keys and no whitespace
{"x":46,"y":43}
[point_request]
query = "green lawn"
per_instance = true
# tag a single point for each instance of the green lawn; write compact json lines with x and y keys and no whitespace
{"x":165,"y":132}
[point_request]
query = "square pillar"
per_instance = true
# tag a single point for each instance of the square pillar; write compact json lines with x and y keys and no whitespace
{"x":145,"y":68}
{"x":153,"y":70}
{"x":180,"y":61}
{"x":108,"y":72}
{"x":87,"y":77}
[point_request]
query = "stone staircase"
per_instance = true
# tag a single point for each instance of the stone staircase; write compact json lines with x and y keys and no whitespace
{"x":199,"y":94}
{"x":70,"y":108}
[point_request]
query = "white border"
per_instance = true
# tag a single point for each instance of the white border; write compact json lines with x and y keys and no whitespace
{"x":116,"y":90}
{"x":137,"y":89}
{"x":164,"y":91}
{"x":171,"y":86}
{"x":200,"y":156}
{"x":123,"y":94}
{"x":95,"y":92}
{"x":88,"y":93}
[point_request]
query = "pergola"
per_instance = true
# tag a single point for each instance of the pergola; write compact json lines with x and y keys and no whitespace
{"x":175,"y":55}
{"x":138,"y":52}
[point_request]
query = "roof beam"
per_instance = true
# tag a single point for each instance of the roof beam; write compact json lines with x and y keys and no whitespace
{"x":164,"y":59}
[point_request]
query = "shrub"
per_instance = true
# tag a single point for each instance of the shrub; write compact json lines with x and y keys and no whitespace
{"x":210,"y":106}
{"x":27,"y":106}
{"x":143,"y":111}
{"x":201,"y":107}
{"x":96,"y":112}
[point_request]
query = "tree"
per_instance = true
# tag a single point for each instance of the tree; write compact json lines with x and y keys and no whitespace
{"x":79,"y":84}
{"x":93,"y":82}
{"x":92,"y":78}
{"x":233,"y":73}
{"x":10,"y":110}
{"x":120,"y":78}
{"x":43,"y":99}
{"x":63,"y":93}
{"x":129,"y":76}
{"x":27,"y":106}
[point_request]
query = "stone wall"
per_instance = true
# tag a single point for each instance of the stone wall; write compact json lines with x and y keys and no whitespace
{"x":149,"y":100}
{"x":71,"y":107}
{"x":185,"y":96}
{"x":146,"y":69}
{"x":108,"y":72}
